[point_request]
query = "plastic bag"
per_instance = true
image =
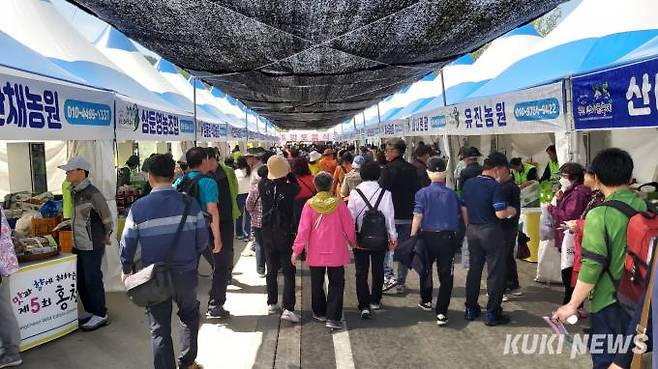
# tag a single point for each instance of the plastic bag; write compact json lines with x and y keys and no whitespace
{"x":548,"y":264}
{"x":546,"y":231}
{"x":465,"y":254}
{"x":568,"y":250}
{"x":24,"y":224}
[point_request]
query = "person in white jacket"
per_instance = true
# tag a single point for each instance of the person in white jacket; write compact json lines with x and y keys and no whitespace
{"x":370,"y":299}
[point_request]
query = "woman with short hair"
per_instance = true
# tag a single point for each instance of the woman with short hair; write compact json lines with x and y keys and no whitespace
{"x":326,"y":231}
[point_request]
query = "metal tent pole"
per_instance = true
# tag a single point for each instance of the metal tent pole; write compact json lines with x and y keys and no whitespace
{"x":443,"y":87}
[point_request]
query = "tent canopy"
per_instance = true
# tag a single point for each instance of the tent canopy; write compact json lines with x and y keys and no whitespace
{"x":312,"y":64}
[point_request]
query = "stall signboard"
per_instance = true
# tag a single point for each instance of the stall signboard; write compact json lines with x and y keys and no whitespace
{"x":393,"y":129}
{"x":34,"y":107}
{"x":45,"y":300}
{"x":211,"y":132}
{"x":237,"y":133}
{"x":621,"y":97}
{"x":142,"y":122}
{"x":372,"y":132}
{"x":535,"y":110}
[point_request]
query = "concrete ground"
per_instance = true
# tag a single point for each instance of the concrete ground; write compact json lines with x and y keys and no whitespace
{"x":400,"y":336}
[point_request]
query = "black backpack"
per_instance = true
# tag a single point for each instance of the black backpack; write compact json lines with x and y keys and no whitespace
{"x":373,"y":235}
{"x":190,"y":187}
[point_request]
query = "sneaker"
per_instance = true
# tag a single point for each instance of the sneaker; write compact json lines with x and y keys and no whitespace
{"x":441,"y":320}
{"x":376,"y":306}
{"x":334,"y":324}
{"x":273,"y":309}
{"x":496,"y":319}
{"x":505,"y":298}
{"x":388,"y":284}
{"x":401,"y":289}
{"x":10,"y":360}
{"x":366,"y":314}
{"x":472,"y":313}
{"x":218,"y":313}
{"x":94,"y":323}
{"x":289,"y":316}
{"x":516,"y":292}
{"x":319,"y":318}
{"x":84,"y":317}
{"x":427,"y":306}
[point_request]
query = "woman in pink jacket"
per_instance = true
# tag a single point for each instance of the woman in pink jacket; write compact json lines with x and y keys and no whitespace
{"x":326,"y":230}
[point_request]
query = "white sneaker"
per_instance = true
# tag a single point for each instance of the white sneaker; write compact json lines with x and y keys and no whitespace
{"x":94,"y":323}
{"x":273,"y":309}
{"x":517,"y":292}
{"x":375,"y":306}
{"x":505,"y":298}
{"x":320,"y":318}
{"x":441,"y":320}
{"x":289,"y":316}
{"x":84,"y":316}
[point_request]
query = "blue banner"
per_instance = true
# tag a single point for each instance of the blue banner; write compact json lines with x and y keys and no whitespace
{"x":625,"y":96}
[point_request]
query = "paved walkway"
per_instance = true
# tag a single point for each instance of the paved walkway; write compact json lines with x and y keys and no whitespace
{"x":400,"y":336}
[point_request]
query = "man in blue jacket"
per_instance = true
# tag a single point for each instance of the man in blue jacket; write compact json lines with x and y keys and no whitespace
{"x":152,"y":226}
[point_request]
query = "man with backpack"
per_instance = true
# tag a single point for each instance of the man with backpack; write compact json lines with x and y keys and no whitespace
{"x":436,"y":217}
{"x":277,"y":195}
{"x":372,"y":210}
{"x":606,"y":243}
{"x":204,"y":189}
{"x":226,"y":181}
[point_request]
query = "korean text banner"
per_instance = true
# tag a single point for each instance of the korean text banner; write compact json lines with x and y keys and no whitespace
{"x":34,"y":107}
{"x":136,"y":121}
{"x":394,"y":128}
{"x":534,"y":110}
{"x":45,"y":300}
{"x":211,"y":132}
{"x":625,"y":96}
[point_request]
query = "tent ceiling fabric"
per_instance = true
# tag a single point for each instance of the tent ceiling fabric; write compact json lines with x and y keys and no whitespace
{"x":313,"y":63}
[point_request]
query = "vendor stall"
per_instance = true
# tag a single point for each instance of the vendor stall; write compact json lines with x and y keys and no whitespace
{"x":520,"y":120}
{"x":38,"y":108}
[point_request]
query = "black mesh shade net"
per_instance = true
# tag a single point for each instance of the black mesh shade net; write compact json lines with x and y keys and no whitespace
{"x":313,"y":63}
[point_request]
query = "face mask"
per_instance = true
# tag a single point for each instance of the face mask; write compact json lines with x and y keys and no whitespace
{"x":565,"y":183}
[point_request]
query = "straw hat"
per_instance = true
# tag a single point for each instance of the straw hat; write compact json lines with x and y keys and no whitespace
{"x":277,"y":167}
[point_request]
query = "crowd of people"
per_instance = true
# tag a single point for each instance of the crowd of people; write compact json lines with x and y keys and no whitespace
{"x":369,"y":204}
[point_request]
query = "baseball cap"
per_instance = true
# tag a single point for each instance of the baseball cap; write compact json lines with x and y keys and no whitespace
{"x":472,"y":152}
{"x":436,"y":165}
{"x":256,"y":152}
{"x":74,"y":163}
{"x":358,"y":162}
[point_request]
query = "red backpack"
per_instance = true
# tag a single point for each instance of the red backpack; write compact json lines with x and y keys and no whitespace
{"x":641,"y":240}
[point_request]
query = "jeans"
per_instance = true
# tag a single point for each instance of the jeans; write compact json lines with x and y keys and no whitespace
{"x":277,"y":259}
{"x":441,"y":247}
{"x":90,"y":280}
{"x":260,"y":255}
{"x":509,"y":238}
{"x":388,"y":265}
{"x":185,"y":285}
{"x":10,"y":336}
{"x":362,"y":261}
{"x":404,"y":231}
{"x":330,"y":305}
{"x":243,"y":223}
{"x":612,"y":320}
{"x":222,"y":264}
{"x":485,"y":243}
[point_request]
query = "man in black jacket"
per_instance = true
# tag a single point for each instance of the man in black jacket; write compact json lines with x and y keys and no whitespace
{"x":278,"y":192}
{"x":421,"y":156}
{"x":400,"y":178}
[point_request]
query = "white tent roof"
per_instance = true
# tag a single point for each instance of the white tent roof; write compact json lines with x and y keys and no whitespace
{"x":503,"y":52}
{"x":597,"y":18}
{"x":38,"y":25}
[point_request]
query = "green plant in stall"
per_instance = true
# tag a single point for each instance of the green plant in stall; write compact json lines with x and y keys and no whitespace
{"x":546,"y":191}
